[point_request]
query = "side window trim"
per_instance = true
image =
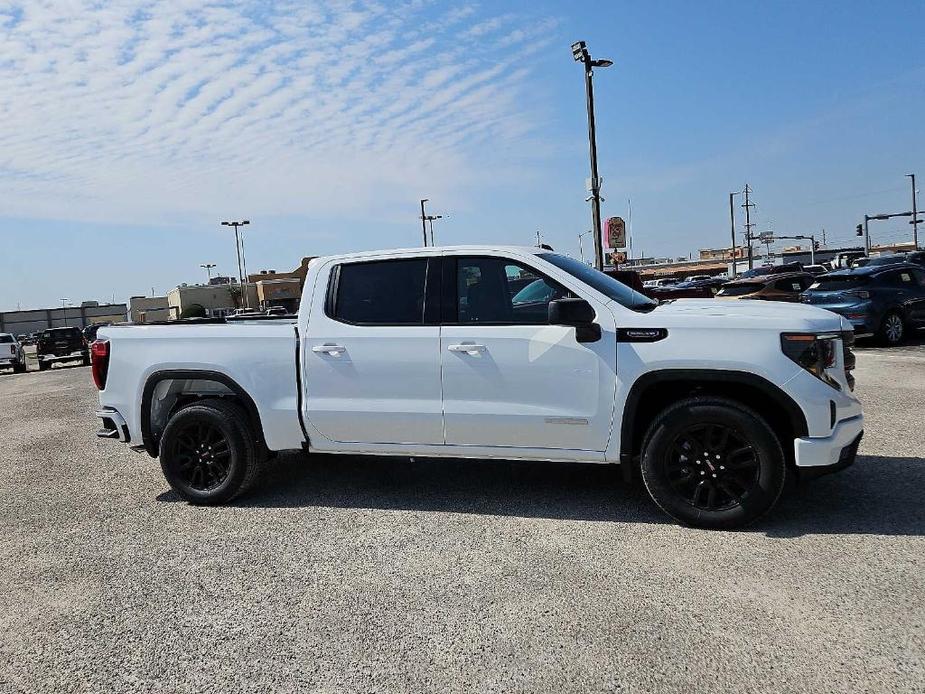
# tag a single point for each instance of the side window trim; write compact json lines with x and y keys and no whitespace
{"x":450,"y":304}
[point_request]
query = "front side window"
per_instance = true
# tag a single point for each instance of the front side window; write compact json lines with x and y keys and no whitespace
{"x":495,"y":290}
{"x":384,"y":292}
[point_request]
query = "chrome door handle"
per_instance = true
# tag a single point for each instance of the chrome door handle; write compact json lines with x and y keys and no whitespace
{"x":329,"y":349}
{"x":468,"y":349}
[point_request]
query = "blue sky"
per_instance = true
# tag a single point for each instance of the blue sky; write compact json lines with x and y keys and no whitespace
{"x":129,"y":129}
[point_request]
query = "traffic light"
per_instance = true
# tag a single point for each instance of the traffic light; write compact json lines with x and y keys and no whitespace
{"x":860,"y":230}
{"x":816,"y":245}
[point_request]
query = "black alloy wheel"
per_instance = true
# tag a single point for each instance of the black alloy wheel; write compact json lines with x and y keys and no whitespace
{"x":712,"y":462}
{"x":201,"y":455}
{"x":712,"y":466}
{"x":209,"y":453}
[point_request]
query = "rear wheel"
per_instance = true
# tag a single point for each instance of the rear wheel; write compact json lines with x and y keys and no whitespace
{"x":892,"y":330}
{"x":85,"y":359}
{"x":713,"y":463}
{"x":44,"y":365}
{"x":19,"y":367}
{"x":208,"y":452}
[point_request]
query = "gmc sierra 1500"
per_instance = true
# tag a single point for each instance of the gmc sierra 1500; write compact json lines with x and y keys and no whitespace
{"x":444,"y":352}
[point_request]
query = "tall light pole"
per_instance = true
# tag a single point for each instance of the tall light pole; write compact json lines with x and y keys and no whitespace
{"x":208,"y":268}
{"x":732,"y":228}
{"x":580,"y":54}
{"x":64,"y":303}
{"x":430,"y":219}
{"x":915,"y":211}
{"x":237,"y":247}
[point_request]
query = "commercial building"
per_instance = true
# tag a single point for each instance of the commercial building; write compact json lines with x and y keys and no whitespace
{"x":147,"y":309}
{"x":209,"y":300}
{"x":88,"y":313}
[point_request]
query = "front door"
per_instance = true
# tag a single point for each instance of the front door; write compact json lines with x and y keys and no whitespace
{"x":509,"y":378}
{"x":372,"y":374}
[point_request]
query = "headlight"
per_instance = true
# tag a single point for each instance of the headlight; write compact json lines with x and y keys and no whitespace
{"x":818,"y":354}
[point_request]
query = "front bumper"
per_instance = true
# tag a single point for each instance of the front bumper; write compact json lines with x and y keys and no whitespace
{"x":834,"y":451}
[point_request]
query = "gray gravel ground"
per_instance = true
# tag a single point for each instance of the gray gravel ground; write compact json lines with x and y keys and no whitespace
{"x":345,"y":575}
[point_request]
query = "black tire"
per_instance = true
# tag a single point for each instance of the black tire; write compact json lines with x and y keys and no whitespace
{"x":19,"y":367}
{"x":892,"y":329}
{"x":679,"y":476}
{"x":44,"y":365}
{"x":220,"y":434}
{"x":85,"y":360}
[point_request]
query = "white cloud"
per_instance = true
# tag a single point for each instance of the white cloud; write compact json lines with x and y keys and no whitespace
{"x":132,"y":108}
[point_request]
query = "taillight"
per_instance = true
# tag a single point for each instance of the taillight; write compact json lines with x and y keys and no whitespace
{"x":99,"y":362}
{"x":12,"y":349}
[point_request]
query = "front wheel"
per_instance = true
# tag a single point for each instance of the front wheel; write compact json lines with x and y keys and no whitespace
{"x":209,"y":453}
{"x":710,"y":462}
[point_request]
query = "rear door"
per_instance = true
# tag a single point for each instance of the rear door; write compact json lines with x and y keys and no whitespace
{"x":509,"y":378}
{"x":371,"y":358}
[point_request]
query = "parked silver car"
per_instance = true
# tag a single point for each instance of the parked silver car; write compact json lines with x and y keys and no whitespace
{"x":12,"y":354}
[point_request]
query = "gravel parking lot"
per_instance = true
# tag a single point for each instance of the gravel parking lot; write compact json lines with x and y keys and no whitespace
{"x":344,"y":574}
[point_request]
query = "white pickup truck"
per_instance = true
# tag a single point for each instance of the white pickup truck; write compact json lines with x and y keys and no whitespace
{"x":494,"y":352}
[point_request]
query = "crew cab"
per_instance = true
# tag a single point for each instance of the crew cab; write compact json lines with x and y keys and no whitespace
{"x":426,"y":353}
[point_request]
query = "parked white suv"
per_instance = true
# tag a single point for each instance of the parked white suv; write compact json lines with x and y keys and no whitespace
{"x":12,"y":354}
{"x":424,"y":353}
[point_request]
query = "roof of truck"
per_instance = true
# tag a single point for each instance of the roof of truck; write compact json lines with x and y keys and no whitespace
{"x":436,"y":250}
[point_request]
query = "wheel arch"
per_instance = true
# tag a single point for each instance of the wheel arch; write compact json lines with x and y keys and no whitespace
{"x":199,"y":385}
{"x":655,"y":390}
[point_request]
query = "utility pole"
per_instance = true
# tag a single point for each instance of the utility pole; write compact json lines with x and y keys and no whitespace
{"x":538,"y":241}
{"x":748,"y":225}
{"x":732,"y":229}
{"x":424,"y":221}
{"x":915,"y":218}
{"x":580,"y":54}
{"x":823,"y":236}
{"x":64,"y":302}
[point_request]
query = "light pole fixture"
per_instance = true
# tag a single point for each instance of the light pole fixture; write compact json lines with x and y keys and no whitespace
{"x":237,"y":247}
{"x":581,"y":248}
{"x":580,"y":54}
{"x":879,"y":217}
{"x":208,"y":268}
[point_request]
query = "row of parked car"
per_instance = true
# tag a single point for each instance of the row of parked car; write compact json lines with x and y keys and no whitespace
{"x":882,"y":296}
{"x":52,"y":346}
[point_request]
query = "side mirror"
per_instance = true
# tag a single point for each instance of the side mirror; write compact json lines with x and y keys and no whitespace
{"x":578,"y":314}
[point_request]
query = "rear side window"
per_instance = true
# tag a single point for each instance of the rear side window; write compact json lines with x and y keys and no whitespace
{"x":5,"y":339}
{"x":740,"y":289}
{"x":837,"y":283}
{"x":386,"y":292}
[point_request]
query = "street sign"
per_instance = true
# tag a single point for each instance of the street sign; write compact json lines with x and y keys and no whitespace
{"x":618,"y":258}
{"x":616,"y":232}
{"x":766,"y":236}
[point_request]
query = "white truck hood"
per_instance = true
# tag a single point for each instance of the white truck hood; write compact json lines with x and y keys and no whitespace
{"x":746,"y":313}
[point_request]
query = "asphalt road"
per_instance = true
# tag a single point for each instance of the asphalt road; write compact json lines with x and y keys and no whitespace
{"x":372,"y":575}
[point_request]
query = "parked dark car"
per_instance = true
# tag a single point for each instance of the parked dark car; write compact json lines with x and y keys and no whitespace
{"x":694,"y":289}
{"x":786,"y":287}
{"x":61,"y":344}
{"x":91,"y":330}
{"x":883,"y":300}
{"x":767,"y":270}
{"x":913,"y":257}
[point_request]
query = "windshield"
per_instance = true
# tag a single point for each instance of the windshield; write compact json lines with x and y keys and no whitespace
{"x":740,"y":289}
{"x":607,"y":286}
{"x":836,"y":283}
